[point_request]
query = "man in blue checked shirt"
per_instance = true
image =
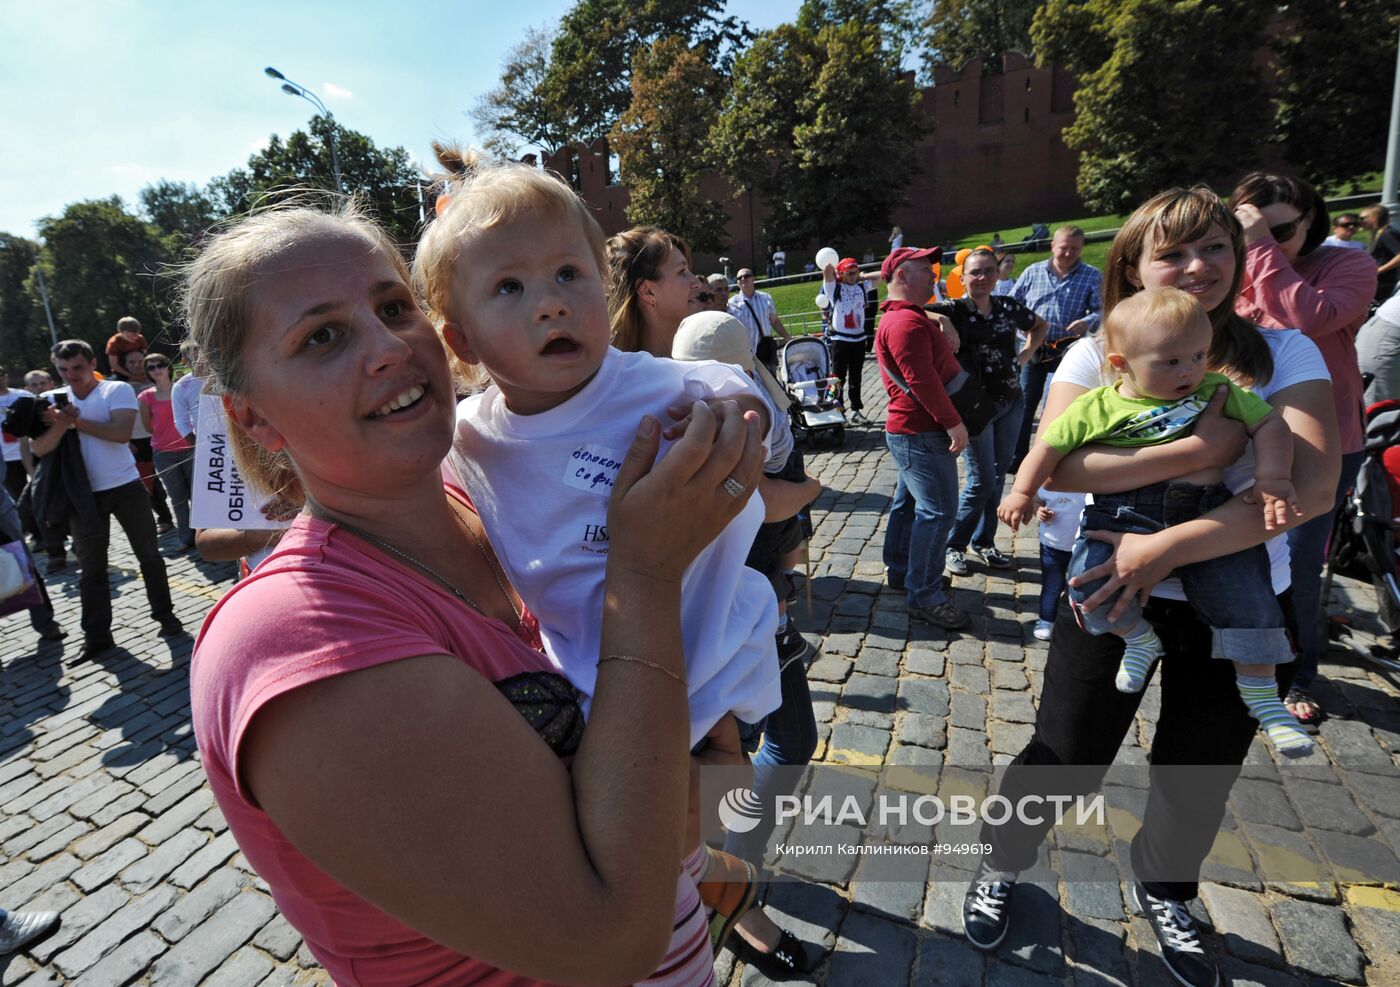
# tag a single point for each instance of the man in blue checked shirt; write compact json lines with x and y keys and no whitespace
{"x":1064,"y":291}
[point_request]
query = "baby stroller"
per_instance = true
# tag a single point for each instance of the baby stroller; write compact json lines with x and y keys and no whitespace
{"x":804,"y":370}
{"x":1364,"y":543}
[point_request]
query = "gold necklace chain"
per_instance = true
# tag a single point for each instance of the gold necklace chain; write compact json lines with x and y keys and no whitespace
{"x":325,"y":515}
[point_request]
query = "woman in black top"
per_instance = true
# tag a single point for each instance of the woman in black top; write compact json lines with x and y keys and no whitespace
{"x":1385,"y":250}
{"x":989,"y":328}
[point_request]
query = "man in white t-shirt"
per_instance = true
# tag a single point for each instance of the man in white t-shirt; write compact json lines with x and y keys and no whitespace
{"x":102,"y":413}
{"x":755,"y":309}
{"x":846,"y":287}
{"x":15,"y":474}
{"x":1343,"y":230}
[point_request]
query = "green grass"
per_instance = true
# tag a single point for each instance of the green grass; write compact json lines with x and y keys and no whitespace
{"x":796,"y":303}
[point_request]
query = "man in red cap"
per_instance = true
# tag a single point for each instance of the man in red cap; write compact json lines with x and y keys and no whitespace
{"x":841,"y":284}
{"x":924,"y":433}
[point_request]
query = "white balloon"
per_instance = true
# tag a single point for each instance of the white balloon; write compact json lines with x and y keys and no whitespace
{"x":826,"y":257}
{"x":823,"y":302}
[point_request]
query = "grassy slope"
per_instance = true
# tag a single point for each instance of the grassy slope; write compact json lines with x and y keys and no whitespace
{"x":796,"y":303}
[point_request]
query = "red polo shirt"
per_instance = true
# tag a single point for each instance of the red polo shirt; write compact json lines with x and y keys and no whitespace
{"x":907,"y":340}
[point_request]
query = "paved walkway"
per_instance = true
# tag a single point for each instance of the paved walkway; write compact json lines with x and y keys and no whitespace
{"x":105,"y":817}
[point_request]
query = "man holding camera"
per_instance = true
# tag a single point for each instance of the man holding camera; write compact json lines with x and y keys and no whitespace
{"x":101,"y":414}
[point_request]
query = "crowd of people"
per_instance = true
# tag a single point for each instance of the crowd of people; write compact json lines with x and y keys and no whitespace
{"x":529,"y":590}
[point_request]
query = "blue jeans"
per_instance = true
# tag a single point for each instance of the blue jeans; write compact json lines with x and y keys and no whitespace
{"x":987,"y":457}
{"x":1233,"y":593}
{"x":1033,"y":376}
{"x":1054,"y":567}
{"x":1307,"y":550}
{"x":789,"y":738}
{"x":921,"y":515}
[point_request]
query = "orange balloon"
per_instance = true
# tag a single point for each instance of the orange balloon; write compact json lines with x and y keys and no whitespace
{"x":962,"y":256}
{"x":956,"y":289}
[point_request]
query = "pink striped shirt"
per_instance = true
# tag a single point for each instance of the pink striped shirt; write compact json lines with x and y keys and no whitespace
{"x":1326,"y":295}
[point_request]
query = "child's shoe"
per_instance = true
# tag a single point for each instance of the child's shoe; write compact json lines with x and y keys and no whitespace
{"x":1043,"y":630}
{"x":1140,"y":650}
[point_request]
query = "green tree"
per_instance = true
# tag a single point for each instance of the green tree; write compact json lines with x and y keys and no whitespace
{"x":1157,"y":105}
{"x":591,"y":60}
{"x":178,"y":209}
{"x":957,"y":31}
{"x":1336,"y":70}
{"x":823,"y":126}
{"x":383,"y":176}
{"x":23,"y":338}
{"x":519,"y":113}
{"x":100,"y":262}
{"x":896,"y":21}
{"x":661,"y":140}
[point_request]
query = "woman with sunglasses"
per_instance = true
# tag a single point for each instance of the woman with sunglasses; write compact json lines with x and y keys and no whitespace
{"x":174,"y":456}
{"x":1292,"y":281}
{"x":998,"y":335}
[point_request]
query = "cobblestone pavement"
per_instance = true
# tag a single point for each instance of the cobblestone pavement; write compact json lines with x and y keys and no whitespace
{"x":105,"y":817}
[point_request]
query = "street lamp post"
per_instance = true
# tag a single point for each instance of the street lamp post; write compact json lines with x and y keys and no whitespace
{"x":1390,"y":188}
{"x":293,"y":89}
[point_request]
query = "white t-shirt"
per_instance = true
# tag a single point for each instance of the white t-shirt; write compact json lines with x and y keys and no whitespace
{"x":541,"y":485}
{"x":184,"y":403}
{"x":755,"y":313}
{"x":1061,"y":530}
{"x":847,"y":310}
{"x":1296,"y":359}
{"x":10,"y":444}
{"x":1334,"y":241}
{"x":109,"y":464}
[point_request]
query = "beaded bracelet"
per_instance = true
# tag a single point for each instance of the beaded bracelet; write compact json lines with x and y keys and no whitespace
{"x":643,"y":661}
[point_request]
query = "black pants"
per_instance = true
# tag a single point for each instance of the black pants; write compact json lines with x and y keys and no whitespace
{"x":130,"y":505}
{"x":1083,"y":718}
{"x":848,"y":360}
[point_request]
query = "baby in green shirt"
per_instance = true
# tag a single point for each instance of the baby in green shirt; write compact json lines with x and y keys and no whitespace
{"x":1158,"y":341}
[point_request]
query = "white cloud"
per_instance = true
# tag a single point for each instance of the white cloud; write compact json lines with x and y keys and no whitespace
{"x":336,"y":92}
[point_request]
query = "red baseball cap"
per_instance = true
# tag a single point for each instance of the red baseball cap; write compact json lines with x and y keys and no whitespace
{"x":846,"y":264}
{"x":903,"y":255}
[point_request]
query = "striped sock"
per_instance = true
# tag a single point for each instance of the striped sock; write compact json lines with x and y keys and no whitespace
{"x":1260,"y":695}
{"x":1141,"y":648}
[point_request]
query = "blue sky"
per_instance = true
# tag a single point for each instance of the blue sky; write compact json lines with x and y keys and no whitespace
{"x":101,"y":98}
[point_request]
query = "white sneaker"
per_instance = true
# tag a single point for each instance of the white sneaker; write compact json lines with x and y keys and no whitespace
{"x":1043,"y":630}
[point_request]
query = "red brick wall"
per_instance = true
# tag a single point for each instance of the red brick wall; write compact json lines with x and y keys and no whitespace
{"x":995,"y":158}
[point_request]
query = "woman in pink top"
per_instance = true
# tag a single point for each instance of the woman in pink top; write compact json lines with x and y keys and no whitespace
{"x":393,"y":753}
{"x":1291,"y":281}
{"x":174,"y":456}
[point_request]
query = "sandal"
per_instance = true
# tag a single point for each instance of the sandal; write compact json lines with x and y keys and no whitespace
{"x":786,"y":961}
{"x":1305,"y":709}
{"x":730,"y":896}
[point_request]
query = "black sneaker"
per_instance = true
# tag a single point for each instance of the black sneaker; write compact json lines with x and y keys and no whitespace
{"x":1179,"y":939}
{"x":987,"y":907}
{"x":792,"y":647}
{"x":991,"y":556}
{"x":171,"y":627}
{"x":944,"y":615}
{"x":95,"y":647}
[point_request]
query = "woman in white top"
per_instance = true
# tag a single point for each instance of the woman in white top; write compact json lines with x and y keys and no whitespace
{"x":1190,"y":240}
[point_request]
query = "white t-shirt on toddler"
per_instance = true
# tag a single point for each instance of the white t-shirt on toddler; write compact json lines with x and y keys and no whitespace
{"x":541,"y":485}
{"x":1296,"y":360}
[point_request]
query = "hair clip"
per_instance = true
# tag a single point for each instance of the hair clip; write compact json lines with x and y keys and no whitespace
{"x":443,"y":201}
